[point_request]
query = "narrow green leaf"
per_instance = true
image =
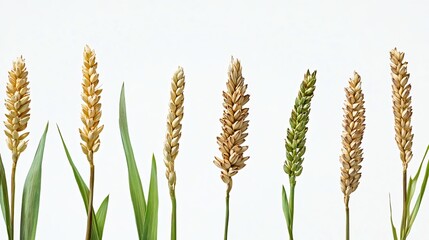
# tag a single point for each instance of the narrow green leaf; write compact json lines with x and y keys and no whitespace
{"x":31,"y":193}
{"x":83,"y":188}
{"x":101,"y":215}
{"x":285,"y":203}
{"x":413,"y":183}
{"x":395,"y":235}
{"x":136,"y":189}
{"x":416,"y":207}
{"x":4,"y":199}
{"x":150,"y":229}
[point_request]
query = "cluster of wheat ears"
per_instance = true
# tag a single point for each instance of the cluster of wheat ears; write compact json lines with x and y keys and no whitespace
{"x":231,"y":142}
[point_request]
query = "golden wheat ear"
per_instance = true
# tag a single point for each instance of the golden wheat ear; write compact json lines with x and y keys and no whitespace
{"x":234,"y":125}
{"x":353,"y":130}
{"x":402,"y":105}
{"x":18,"y":108}
{"x":174,"y":126}
{"x":91,"y":107}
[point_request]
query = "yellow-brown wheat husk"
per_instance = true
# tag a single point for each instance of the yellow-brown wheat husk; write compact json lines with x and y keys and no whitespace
{"x":18,"y":106}
{"x":91,"y":107}
{"x":354,"y":127}
{"x":234,"y":126}
{"x":402,"y":106}
{"x":174,"y":126}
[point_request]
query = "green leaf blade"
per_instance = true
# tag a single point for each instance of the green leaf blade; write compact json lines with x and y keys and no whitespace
{"x":101,"y":215}
{"x":31,"y":193}
{"x":394,"y":232}
{"x":135,"y":185}
{"x":83,"y":188}
{"x":150,"y":229}
{"x":4,"y":199}
{"x":418,"y":202}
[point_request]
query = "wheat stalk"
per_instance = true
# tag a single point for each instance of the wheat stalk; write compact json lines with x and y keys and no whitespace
{"x":295,"y":143}
{"x":174,"y":132}
{"x":234,"y":126}
{"x":351,"y":152}
{"x":174,"y":126}
{"x":90,"y":116}
{"x":18,"y":106}
{"x":402,"y":111}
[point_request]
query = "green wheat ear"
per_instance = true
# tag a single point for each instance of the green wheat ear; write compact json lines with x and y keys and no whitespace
{"x":295,"y":141}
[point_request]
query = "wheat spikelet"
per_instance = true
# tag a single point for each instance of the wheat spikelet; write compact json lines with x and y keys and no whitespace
{"x":354,"y":127}
{"x":295,"y":140}
{"x":234,"y":125}
{"x":402,"y":106}
{"x":18,"y":107}
{"x":174,"y":126}
{"x":91,"y":107}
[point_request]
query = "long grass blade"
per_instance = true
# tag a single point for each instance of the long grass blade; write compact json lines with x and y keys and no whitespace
{"x":83,"y":188}
{"x":395,"y":235}
{"x":101,"y":215}
{"x":416,"y":207}
{"x":4,"y":199}
{"x":285,"y":204}
{"x":151,"y":219}
{"x":136,"y":189}
{"x":31,"y":193}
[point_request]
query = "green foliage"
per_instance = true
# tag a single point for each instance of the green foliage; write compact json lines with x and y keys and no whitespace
{"x":146,"y":215}
{"x":31,"y":193}
{"x":412,"y":185}
{"x":4,"y":199}
{"x":100,"y":218}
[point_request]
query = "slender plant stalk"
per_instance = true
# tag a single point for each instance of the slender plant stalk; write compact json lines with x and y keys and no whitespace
{"x":173,"y":217}
{"x":234,"y":126}
{"x":347,"y":221}
{"x":17,"y":103}
{"x":12,"y":197}
{"x":225,"y":234}
{"x":402,"y":111}
{"x":404,"y":204}
{"x":292,"y":206}
{"x":90,"y":116}
{"x":90,"y":206}
{"x":174,"y":132}
{"x":296,"y":139}
{"x":351,"y":152}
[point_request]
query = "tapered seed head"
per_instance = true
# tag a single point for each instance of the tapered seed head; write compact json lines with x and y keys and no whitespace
{"x":18,"y":108}
{"x":353,"y":129}
{"x":91,"y":107}
{"x":296,"y":133}
{"x":402,"y":109}
{"x":234,"y":125}
{"x":174,"y":125}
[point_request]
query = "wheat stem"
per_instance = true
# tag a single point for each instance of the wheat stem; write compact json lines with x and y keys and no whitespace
{"x":403,"y":130}
{"x":18,"y":114}
{"x":225,"y":235}
{"x":90,"y":116}
{"x":90,"y":203}
{"x":234,"y":126}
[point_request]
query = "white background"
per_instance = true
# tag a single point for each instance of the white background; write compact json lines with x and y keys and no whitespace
{"x":141,"y":43}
